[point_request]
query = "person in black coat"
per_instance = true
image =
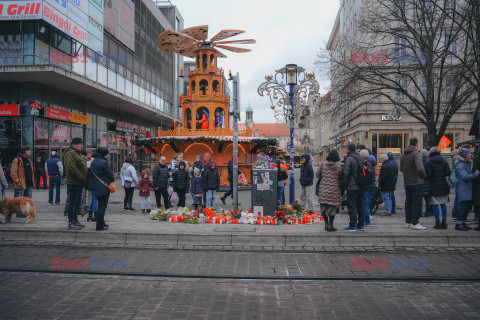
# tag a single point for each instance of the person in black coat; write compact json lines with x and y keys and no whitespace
{"x":437,"y":170}
{"x":100,"y":178}
{"x":476,"y":188}
{"x":211,"y":183}
{"x":391,"y":158}
{"x":386,"y":183}
{"x":426,"y":187}
{"x":181,"y":182}
{"x":306,"y":181}
{"x":161,"y":177}
{"x":230,"y":181}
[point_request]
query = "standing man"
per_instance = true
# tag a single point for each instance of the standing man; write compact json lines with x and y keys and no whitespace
{"x":411,"y":164}
{"x":54,"y":168}
{"x":351,"y":171}
{"x":230,"y":181}
{"x":22,"y":173}
{"x":161,"y":178}
{"x":40,"y":170}
{"x":391,"y":158}
{"x":369,"y":190}
{"x":306,"y":181}
{"x":386,"y":183}
{"x":76,"y":169}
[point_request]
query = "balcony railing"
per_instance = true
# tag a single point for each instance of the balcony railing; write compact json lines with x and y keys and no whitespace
{"x":200,"y":133}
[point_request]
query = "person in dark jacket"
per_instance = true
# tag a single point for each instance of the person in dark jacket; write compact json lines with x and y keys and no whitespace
{"x":369,"y":190}
{"x":391,"y":158}
{"x":351,"y":170}
{"x":101,"y":177}
{"x":230,"y":181}
{"x":197,"y":187}
{"x":54,"y":168}
{"x":196,"y":165}
{"x":306,"y":181}
{"x":438,"y":170}
{"x":211,"y":183}
{"x":181,"y":182}
{"x":411,"y":165}
{"x":76,"y":169}
{"x":386,"y":183}
{"x":426,"y":187}
{"x":40,"y":160}
{"x":464,"y":188}
{"x":161,"y":178}
{"x":476,"y":188}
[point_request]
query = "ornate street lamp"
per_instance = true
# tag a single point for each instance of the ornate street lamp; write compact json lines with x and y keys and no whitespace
{"x":289,"y":103}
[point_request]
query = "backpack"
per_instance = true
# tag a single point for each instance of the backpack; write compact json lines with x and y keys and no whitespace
{"x":366,"y":175}
{"x":453,"y":178}
{"x":282,"y":174}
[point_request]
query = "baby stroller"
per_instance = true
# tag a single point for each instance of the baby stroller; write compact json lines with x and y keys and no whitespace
{"x":376,"y":200}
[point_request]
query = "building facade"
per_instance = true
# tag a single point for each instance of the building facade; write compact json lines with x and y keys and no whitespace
{"x":89,"y":69}
{"x":379,"y":125}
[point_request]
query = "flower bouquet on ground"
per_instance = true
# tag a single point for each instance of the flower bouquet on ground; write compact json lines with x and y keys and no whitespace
{"x":287,"y":209}
{"x":160,"y":215}
{"x":298,"y":208}
{"x":280,"y":217}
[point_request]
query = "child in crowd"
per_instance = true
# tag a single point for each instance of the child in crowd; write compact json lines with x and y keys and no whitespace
{"x":144,"y":191}
{"x":197,"y":187}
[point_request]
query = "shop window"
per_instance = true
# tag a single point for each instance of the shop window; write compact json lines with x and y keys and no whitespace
{"x":203,"y":86}
{"x":40,"y":132}
{"x":389,"y":141}
{"x":60,"y":132}
{"x":10,"y":139}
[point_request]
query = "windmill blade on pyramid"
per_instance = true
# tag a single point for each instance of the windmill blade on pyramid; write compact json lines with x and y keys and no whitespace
{"x":198,"y":32}
{"x":220,"y":54}
{"x":233,"y":49}
{"x":224,"y":34}
{"x":177,"y":42}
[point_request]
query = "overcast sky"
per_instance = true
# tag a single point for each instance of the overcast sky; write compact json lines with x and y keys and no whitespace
{"x":286,"y":31}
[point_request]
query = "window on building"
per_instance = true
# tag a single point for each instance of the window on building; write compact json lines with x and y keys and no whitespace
{"x":401,"y":83}
{"x":451,"y":43}
{"x":449,"y":86}
{"x":10,"y":43}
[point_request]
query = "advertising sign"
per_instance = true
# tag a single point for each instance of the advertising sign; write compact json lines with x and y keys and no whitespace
{"x":98,"y":4}
{"x":20,"y":10}
{"x":80,"y":118}
{"x":58,"y":114}
{"x":119,"y":20}
{"x":76,"y":14}
{"x":7,"y":110}
{"x":67,"y":25}
{"x":60,"y":5}
{"x":95,"y":27}
{"x":80,"y":4}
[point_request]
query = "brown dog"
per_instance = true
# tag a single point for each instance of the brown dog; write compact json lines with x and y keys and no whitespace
{"x":10,"y":206}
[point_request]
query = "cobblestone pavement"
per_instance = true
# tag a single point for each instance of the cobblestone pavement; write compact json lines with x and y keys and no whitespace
{"x":54,"y":296}
{"x":358,"y":263}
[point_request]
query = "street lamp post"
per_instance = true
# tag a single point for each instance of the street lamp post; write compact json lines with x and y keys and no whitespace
{"x":299,"y":84}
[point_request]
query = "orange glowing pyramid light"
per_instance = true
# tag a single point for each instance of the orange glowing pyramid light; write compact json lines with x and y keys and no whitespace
{"x":205,"y":125}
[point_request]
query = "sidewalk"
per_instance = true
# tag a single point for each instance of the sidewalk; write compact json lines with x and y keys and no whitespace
{"x":137,"y":228}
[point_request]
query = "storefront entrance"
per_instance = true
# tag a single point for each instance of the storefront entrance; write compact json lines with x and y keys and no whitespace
{"x":393,"y":142}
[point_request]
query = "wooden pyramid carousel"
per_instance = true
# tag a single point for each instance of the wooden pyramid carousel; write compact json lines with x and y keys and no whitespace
{"x":206,"y":126}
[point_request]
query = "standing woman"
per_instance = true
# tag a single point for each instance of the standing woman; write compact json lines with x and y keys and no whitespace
{"x":464,"y":189}
{"x":330,"y":173}
{"x":476,"y":188}
{"x":426,"y":186}
{"x":101,"y":177}
{"x":438,"y":170}
{"x":128,"y":174}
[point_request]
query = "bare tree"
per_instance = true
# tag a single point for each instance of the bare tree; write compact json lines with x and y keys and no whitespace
{"x":406,"y":54}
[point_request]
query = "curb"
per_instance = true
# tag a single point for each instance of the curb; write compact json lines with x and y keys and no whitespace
{"x":231,"y":239}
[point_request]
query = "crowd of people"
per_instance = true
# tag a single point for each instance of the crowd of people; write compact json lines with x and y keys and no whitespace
{"x":426,"y":175}
{"x":351,"y":182}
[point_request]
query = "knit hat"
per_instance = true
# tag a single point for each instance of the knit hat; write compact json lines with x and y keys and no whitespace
{"x":364,"y":153}
{"x":384,"y":157}
{"x":196,"y":170}
{"x":54,"y":153}
{"x":77,"y":141}
{"x":464,"y":152}
{"x":102,"y":152}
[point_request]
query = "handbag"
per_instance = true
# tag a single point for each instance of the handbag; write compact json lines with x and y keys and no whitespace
{"x":453,"y":178}
{"x":111,"y":187}
{"x":127,"y":184}
{"x":317,"y":186}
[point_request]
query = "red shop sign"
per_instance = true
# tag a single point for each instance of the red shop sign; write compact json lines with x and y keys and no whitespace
{"x":58,"y":114}
{"x":7,"y":110}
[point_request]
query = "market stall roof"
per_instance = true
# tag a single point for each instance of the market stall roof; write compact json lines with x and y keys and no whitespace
{"x":168,"y":139}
